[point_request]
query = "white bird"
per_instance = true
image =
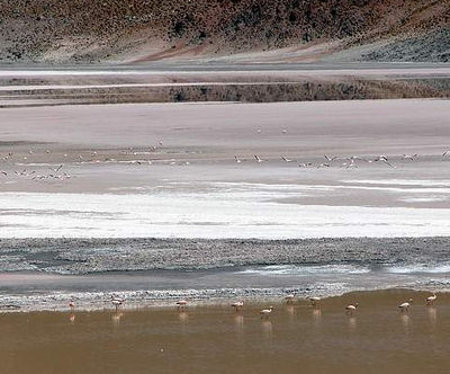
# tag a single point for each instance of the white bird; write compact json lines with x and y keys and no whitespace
{"x":238,"y":305}
{"x":265,"y":313}
{"x":117,"y":302}
{"x":290,"y":298}
{"x":4,"y":173}
{"x":410,"y":157}
{"x":446,"y":153}
{"x":238,"y":161}
{"x":57,"y":169}
{"x":351,"y":308}
{"x":431,"y":299}
{"x":404,"y":307}
{"x":286,"y":159}
{"x":71,"y":305}
{"x":258,"y":159}
{"x":323,"y":165}
{"x":284,"y":131}
{"x":182,"y":304}
{"x":384,"y":159}
{"x":330,"y":159}
{"x":314,"y":300}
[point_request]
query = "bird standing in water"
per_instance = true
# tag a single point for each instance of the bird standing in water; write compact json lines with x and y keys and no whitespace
{"x":404,"y":307}
{"x":431,"y":299}
{"x":351,"y":308}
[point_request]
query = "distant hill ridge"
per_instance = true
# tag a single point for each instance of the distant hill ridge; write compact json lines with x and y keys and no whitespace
{"x":57,"y":31}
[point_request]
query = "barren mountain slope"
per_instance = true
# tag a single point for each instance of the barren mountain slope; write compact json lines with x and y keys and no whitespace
{"x":143,"y":30}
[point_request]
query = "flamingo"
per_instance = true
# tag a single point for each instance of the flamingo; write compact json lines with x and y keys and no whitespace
{"x":286,"y":159}
{"x":182,"y":304}
{"x":117,"y":302}
{"x":238,"y":161}
{"x":404,"y":307}
{"x":71,"y":305}
{"x":258,"y":159}
{"x":330,"y":159}
{"x":290,"y":298}
{"x":314,"y":300}
{"x":238,"y":305}
{"x":431,"y":299}
{"x":410,"y":157}
{"x":265,"y":313}
{"x":351,"y":308}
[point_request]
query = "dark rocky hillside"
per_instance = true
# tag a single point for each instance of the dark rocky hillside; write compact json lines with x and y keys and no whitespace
{"x":95,"y":30}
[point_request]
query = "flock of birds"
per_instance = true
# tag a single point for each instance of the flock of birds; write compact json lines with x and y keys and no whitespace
{"x":344,"y":162}
{"x":238,"y":306}
{"x":56,"y":173}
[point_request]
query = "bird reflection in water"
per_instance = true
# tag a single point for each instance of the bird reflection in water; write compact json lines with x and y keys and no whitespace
{"x":432,"y":315}
{"x":405,"y":320}
{"x":238,"y":320}
{"x":267,"y":329}
{"x":291,"y":311}
{"x":183,"y":316}
{"x":116,"y":317}
{"x":72,"y":318}
{"x":317,"y":316}
{"x":352,"y":323}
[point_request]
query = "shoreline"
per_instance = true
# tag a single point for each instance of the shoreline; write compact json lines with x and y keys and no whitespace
{"x":169,"y":302}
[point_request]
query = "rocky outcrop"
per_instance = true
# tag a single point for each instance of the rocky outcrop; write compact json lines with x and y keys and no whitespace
{"x":97,"y":30}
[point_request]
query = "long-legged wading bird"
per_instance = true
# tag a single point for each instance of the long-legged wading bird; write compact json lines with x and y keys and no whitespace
{"x":384,"y":159}
{"x":410,"y":157}
{"x":258,"y":159}
{"x":290,"y":298}
{"x":314,"y":300}
{"x":237,"y":305}
{"x":330,"y":159}
{"x":351,"y":308}
{"x":182,"y":304}
{"x":117,"y":302}
{"x":404,"y":307}
{"x":265,"y":313}
{"x":431,"y":299}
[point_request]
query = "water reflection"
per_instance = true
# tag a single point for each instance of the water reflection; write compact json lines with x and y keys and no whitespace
{"x":432,"y":316}
{"x":291,"y":311}
{"x":352,"y":323}
{"x":116,"y":317}
{"x":183,"y":316}
{"x":317,"y":316}
{"x":238,"y":320}
{"x":267,"y":329}
{"x":405,"y":320}
{"x":72,"y":318}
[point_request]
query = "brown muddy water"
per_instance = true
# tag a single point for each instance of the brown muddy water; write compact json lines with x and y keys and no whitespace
{"x":213,"y":339}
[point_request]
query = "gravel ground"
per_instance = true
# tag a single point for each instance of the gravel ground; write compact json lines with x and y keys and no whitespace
{"x":75,"y":256}
{"x":431,"y":47}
